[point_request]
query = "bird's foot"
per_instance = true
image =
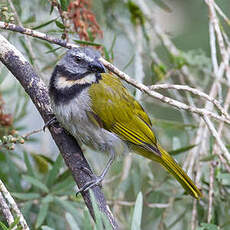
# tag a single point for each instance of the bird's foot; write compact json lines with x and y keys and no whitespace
{"x":50,"y":122}
{"x":95,"y":181}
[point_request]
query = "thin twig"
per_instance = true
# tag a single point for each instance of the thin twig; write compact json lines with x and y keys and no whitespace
{"x":25,"y":136}
{"x":211,"y":191}
{"x":214,"y":21}
{"x":63,"y":18}
{"x":217,"y":137}
{"x":216,"y":149}
{"x":193,"y":91}
{"x":222,"y":14}
{"x":13,"y":206}
{"x":36,"y":34}
{"x":194,"y":215}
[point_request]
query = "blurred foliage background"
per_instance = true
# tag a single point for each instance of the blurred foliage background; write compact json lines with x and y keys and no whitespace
{"x":32,"y":168}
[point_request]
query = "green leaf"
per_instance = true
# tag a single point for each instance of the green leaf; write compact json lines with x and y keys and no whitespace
{"x":136,"y":220}
{"x":14,"y":173}
{"x":30,"y":19}
{"x":47,"y":199}
{"x":14,"y":224}
{"x":41,"y":163}
{"x":42,"y":214}
{"x":181,"y":150}
{"x":136,"y":13}
{"x":3,"y":74}
{"x":26,"y":208}
{"x":53,"y":50}
{"x":205,"y":226}
{"x":3,"y":226}
{"x":24,"y":45}
{"x":60,"y":25}
{"x":106,"y":54}
{"x":113,"y":44}
{"x":26,"y":196}
{"x":171,"y":124}
{"x":54,"y":171}
{"x":97,"y":213}
{"x":51,"y":9}
{"x":63,"y":176}
{"x":129,"y":63}
{"x":87,"y":43}
{"x":36,"y":183}
{"x":64,"y":4}
{"x":87,"y":220}
{"x":67,"y":184}
{"x":224,"y":178}
{"x":44,"y":227}
{"x":208,"y":158}
{"x":21,"y":110}
{"x":68,"y":206}
{"x":71,"y":221}
{"x":106,"y":222}
{"x":30,"y":170}
{"x":44,"y":24}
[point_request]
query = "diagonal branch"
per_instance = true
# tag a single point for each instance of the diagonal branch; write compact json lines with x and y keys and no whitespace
{"x":67,"y":145}
{"x":193,"y":91}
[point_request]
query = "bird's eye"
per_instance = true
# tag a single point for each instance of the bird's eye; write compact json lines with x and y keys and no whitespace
{"x":77,"y":59}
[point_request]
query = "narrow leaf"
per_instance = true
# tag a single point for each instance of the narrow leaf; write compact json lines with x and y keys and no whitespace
{"x":3,"y":226}
{"x":54,"y":171}
{"x":30,"y":170}
{"x":64,"y":4}
{"x":67,"y":184}
{"x":36,"y":183}
{"x":181,"y":150}
{"x":71,"y":221}
{"x":60,"y":25}
{"x":136,"y":221}
{"x":44,"y":24}
{"x":97,"y":213}
{"x":42,"y":214}
{"x":44,"y":227}
{"x":16,"y":221}
{"x":26,"y":196}
{"x":87,"y":43}
{"x":66,"y":205}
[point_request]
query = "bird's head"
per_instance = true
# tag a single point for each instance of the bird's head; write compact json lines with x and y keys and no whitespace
{"x":78,"y":69}
{"x":78,"y":66}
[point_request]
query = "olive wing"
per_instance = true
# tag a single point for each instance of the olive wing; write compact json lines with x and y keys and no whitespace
{"x":120,"y":113}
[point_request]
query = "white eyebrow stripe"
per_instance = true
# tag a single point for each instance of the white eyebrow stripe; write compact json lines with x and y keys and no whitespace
{"x":62,"y":82}
{"x":85,"y":57}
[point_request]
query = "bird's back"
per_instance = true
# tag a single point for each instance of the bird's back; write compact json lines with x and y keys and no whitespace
{"x":120,"y":113}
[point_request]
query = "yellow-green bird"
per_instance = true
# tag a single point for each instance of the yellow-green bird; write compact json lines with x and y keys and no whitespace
{"x":98,"y":111}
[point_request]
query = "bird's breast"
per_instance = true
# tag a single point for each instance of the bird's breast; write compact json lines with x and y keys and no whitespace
{"x":73,"y":117}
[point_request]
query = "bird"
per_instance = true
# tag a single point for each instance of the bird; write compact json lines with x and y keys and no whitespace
{"x":98,"y":111}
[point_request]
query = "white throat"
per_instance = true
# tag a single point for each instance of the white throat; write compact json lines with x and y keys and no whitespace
{"x":62,"y":82}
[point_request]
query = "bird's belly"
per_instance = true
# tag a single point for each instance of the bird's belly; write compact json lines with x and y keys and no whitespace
{"x":74,"y":118}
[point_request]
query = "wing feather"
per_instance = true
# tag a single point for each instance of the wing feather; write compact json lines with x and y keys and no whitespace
{"x":120,"y":113}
